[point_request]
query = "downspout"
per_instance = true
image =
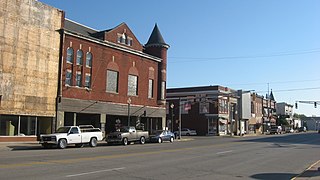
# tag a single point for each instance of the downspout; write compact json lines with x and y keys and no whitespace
{"x":60,"y":70}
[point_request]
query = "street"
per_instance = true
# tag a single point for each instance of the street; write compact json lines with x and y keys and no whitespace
{"x":256,"y":157}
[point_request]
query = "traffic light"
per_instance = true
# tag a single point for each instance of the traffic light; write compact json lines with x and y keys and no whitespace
{"x":296,"y":105}
{"x":144,"y":113}
{"x":315,"y":104}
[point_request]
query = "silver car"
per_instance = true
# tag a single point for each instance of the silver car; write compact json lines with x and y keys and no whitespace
{"x":162,"y":135}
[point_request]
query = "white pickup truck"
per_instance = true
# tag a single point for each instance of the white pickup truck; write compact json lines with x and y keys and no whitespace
{"x":67,"y":135}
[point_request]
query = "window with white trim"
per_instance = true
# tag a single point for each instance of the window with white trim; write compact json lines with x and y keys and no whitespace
{"x":150,"y":89}
{"x":112,"y":81}
{"x":68,"y":77}
{"x":132,"y":85}
{"x":89,"y":59}
{"x":79,"y":57}
{"x":78,"y":79}
{"x":87,"y":82}
{"x":70,"y":55}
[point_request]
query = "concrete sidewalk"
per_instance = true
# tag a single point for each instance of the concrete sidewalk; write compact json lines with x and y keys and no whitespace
{"x":9,"y":146}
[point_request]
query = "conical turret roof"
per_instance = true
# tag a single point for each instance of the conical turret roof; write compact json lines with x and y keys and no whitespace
{"x":156,"y":38}
{"x":271,"y":96}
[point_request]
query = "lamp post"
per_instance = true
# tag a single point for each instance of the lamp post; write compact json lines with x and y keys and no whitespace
{"x":129,"y":103}
{"x":172,"y":106}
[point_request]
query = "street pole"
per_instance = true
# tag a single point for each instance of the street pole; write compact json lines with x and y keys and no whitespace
{"x":172,"y":106}
{"x":129,"y":102}
{"x":179,"y":118}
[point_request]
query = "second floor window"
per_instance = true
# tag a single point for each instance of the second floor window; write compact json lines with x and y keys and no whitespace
{"x":68,"y":77}
{"x":89,"y":59}
{"x":132,"y":85}
{"x":150,"y":90}
{"x":70,"y":55}
{"x":79,"y":57}
{"x":112,"y":81}
{"x":88,"y":81}
{"x":78,"y":79}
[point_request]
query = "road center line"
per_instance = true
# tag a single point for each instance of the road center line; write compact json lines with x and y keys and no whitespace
{"x":224,"y":152}
{"x":105,"y":170}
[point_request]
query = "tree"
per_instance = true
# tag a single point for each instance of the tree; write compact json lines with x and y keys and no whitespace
{"x":299,"y":116}
{"x":281,"y":121}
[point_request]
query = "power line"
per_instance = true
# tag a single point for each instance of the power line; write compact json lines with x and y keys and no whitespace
{"x":276,"y":82}
{"x":288,"y":53}
{"x":287,"y":90}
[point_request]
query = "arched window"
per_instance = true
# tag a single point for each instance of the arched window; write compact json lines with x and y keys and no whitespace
{"x":70,"y":55}
{"x":79,"y":57}
{"x":89,"y":59}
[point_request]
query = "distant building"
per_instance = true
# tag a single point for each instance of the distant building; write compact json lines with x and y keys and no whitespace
{"x":256,"y":120}
{"x":312,"y":123}
{"x":285,"y":110}
{"x":210,"y":110}
{"x":108,"y":79}
{"x":29,"y":67}
{"x":269,"y":111}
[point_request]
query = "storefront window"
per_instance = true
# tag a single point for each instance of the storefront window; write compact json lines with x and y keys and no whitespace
{"x":12,"y":126}
{"x":27,"y":125}
{"x":9,"y":125}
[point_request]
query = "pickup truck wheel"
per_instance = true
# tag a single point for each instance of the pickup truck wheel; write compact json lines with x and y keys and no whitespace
{"x":125,"y":141}
{"x":159,"y":140}
{"x":62,"y":143}
{"x":79,"y":145}
{"x":142,"y":140}
{"x":93,"y":142}
{"x":171,"y":139}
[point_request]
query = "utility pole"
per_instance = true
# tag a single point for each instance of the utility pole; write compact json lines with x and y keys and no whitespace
{"x":179,"y":118}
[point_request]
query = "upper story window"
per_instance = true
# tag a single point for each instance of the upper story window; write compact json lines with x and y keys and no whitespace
{"x":70,"y":55}
{"x":132,"y":85}
{"x":124,"y":39}
{"x":163,"y":89}
{"x":69,"y":77}
{"x":112,"y":81}
{"x":203,"y":107}
{"x":78,"y":79}
{"x":223,"y":106}
{"x":129,"y":41}
{"x":89,"y":59}
{"x":79,"y":57}
{"x":88,"y":80}
{"x":150,"y":89}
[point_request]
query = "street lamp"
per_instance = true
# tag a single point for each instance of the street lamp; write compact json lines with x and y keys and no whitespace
{"x":172,"y":106}
{"x":129,"y":102}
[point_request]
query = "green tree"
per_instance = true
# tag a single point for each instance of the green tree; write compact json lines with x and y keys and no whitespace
{"x":299,"y":116}
{"x":281,"y":121}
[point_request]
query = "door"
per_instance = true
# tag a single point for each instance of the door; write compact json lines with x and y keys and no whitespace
{"x":74,"y":136}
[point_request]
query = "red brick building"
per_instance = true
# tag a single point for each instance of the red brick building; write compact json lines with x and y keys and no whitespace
{"x":109,"y":79}
{"x":210,"y":110}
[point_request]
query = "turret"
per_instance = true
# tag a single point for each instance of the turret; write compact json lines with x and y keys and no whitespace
{"x":156,"y":46}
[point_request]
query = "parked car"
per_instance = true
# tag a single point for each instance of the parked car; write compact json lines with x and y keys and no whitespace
{"x":275,"y":130}
{"x":302,"y":129}
{"x":289,"y":130}
{"x":67,"y":135}
{"x":186,"y":132}
{"x":162,"y":135}
{"x":127,"y":134}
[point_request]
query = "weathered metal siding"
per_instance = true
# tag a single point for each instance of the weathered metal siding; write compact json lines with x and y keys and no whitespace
{"x":29,"y":57}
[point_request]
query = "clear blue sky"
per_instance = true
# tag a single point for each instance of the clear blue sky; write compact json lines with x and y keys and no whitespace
{"x":240,"y":44}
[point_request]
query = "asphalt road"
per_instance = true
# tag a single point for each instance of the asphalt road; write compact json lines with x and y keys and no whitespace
{"x":262,"y":157}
